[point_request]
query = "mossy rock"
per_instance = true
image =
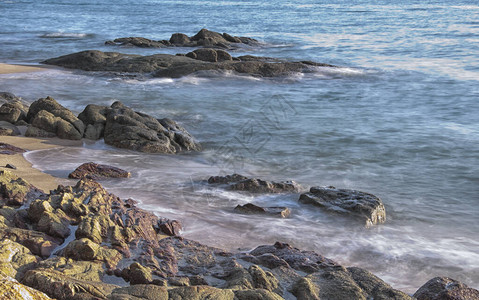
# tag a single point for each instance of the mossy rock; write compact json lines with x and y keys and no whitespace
{"x":257,"y":294}
{"x":15,"y":259}
{"x":200,"y":292}
{"x":14,"y":191}
{"x":12,"y":290}
{"x":140,"y":291}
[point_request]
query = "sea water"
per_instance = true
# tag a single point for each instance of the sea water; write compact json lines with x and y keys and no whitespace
{"x":398,"y":119}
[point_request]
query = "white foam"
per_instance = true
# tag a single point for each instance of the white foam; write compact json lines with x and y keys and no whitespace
{"x":56,"y":35}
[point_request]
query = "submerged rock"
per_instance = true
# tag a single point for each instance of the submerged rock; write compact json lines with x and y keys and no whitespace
{"x":359,"y":204}
{"x":175,"y":66}
{"x":443,"y":288}
{"x":204,"y":38}
{"x":95,"y":171}
{"x":250,"y":208}
{"x":238,"y":182}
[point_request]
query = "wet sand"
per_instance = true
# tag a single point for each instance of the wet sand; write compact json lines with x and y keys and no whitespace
{"x":25,"y":169}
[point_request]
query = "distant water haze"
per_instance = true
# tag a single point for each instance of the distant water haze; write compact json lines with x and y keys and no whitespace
{"x":398,"y":119}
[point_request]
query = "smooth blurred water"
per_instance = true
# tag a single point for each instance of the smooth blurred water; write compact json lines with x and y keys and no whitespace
{"x":399,"y":119}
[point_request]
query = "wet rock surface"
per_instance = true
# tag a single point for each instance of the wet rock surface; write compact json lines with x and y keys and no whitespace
{"x":10,"y":149}
{"x":95,"y":171}
{"x":443,"y":288}
{"x":362,"y":205}
{"x":276,"y":211}
{"x":204,"y":38}
{"x":175,"y":66}
{"x":81,"y":242}
{"x":236,"y":182}
{"x":118,"y":125}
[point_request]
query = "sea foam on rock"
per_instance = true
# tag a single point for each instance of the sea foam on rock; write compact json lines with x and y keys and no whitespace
{"x":358,"y":204}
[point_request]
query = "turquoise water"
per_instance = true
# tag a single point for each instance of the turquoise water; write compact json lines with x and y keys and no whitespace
{"x":399,"y":119}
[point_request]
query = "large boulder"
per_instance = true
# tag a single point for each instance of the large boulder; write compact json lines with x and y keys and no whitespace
{"x":94,"y":118}
{"x":10,"y":289}
{"x":95,"y":171}
{"x":48,"y":115}
{"x":128,"y":129}
{"x":367,"y":207}
{"x":175,"y":66}
{"x":443,"y":288}
{"x":13,"y":112}
{"x":238,"y":182}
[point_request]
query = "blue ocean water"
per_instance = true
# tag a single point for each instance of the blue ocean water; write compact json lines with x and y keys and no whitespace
{"x":399,"y":119}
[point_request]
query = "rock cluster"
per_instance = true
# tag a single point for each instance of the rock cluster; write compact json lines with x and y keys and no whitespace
{"x":204,"y":38}
{"x":119,"y":125}
{"x":175,"y":66}
{"x":81,"y":242}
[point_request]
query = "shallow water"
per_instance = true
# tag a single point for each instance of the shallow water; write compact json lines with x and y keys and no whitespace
{"x":398,"y":119}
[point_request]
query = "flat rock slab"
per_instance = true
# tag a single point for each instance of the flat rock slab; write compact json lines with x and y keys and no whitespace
{"x":236,"y":182}
{"x":250,"y":209}
{"x":97,"y":171}
{"x":443,"y":288}
{"x":10,"y":149}
{"x":175,"y":66}
{"x":366,"y":206}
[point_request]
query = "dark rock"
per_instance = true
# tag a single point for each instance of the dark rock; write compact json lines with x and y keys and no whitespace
{"x":174,"y":66}
{"x":210,"y":55}
{"x":241,"y":183}
{"x":179,"y":39}
{"x":94,"y":118}
{"x":6,"y":97}
{"x":306,"y":261}
{"x":48,"y":115}
{"x":250,"y":208}
{"x":10,"y":166}
{"x":95,"y":171}
{"x":443,"y":288}
{"x":136,"y":42}
{"x":136,"y":131}
{"x":10,"y":149}
{"x":8,"y":129}
{"x":366,"y":206}
{"x":169,"y":227}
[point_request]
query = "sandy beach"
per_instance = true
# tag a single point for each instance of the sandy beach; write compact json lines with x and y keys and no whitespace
{"x":9,"y":68}
{"x":25,"y":169}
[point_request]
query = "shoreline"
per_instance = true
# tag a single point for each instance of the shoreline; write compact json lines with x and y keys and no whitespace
{"x":25,"y":169}
{"x":14,"y":68}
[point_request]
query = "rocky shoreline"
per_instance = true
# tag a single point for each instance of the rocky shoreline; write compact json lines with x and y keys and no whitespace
{"x":82,"y":242}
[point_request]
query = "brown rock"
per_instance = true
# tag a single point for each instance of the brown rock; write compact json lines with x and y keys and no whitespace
{"x":250,"y":208}
{"x":238,"y":182}
{"x":443,"y":288}
{"x":10,"y":149}
{"x":95,"y":171}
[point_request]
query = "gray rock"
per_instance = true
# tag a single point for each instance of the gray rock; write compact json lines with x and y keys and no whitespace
{"x":238,"y":182}
{"x":49,"y":116}
{"x":8,"y":129}
{"x":137,"y":42}
{"x":359,"y":204}
{"x":137,"y":131}
{"x":175,"y":66}
{"x":443,"y":288}
{"x":179,"y":39}
{"x":250,"y":208}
